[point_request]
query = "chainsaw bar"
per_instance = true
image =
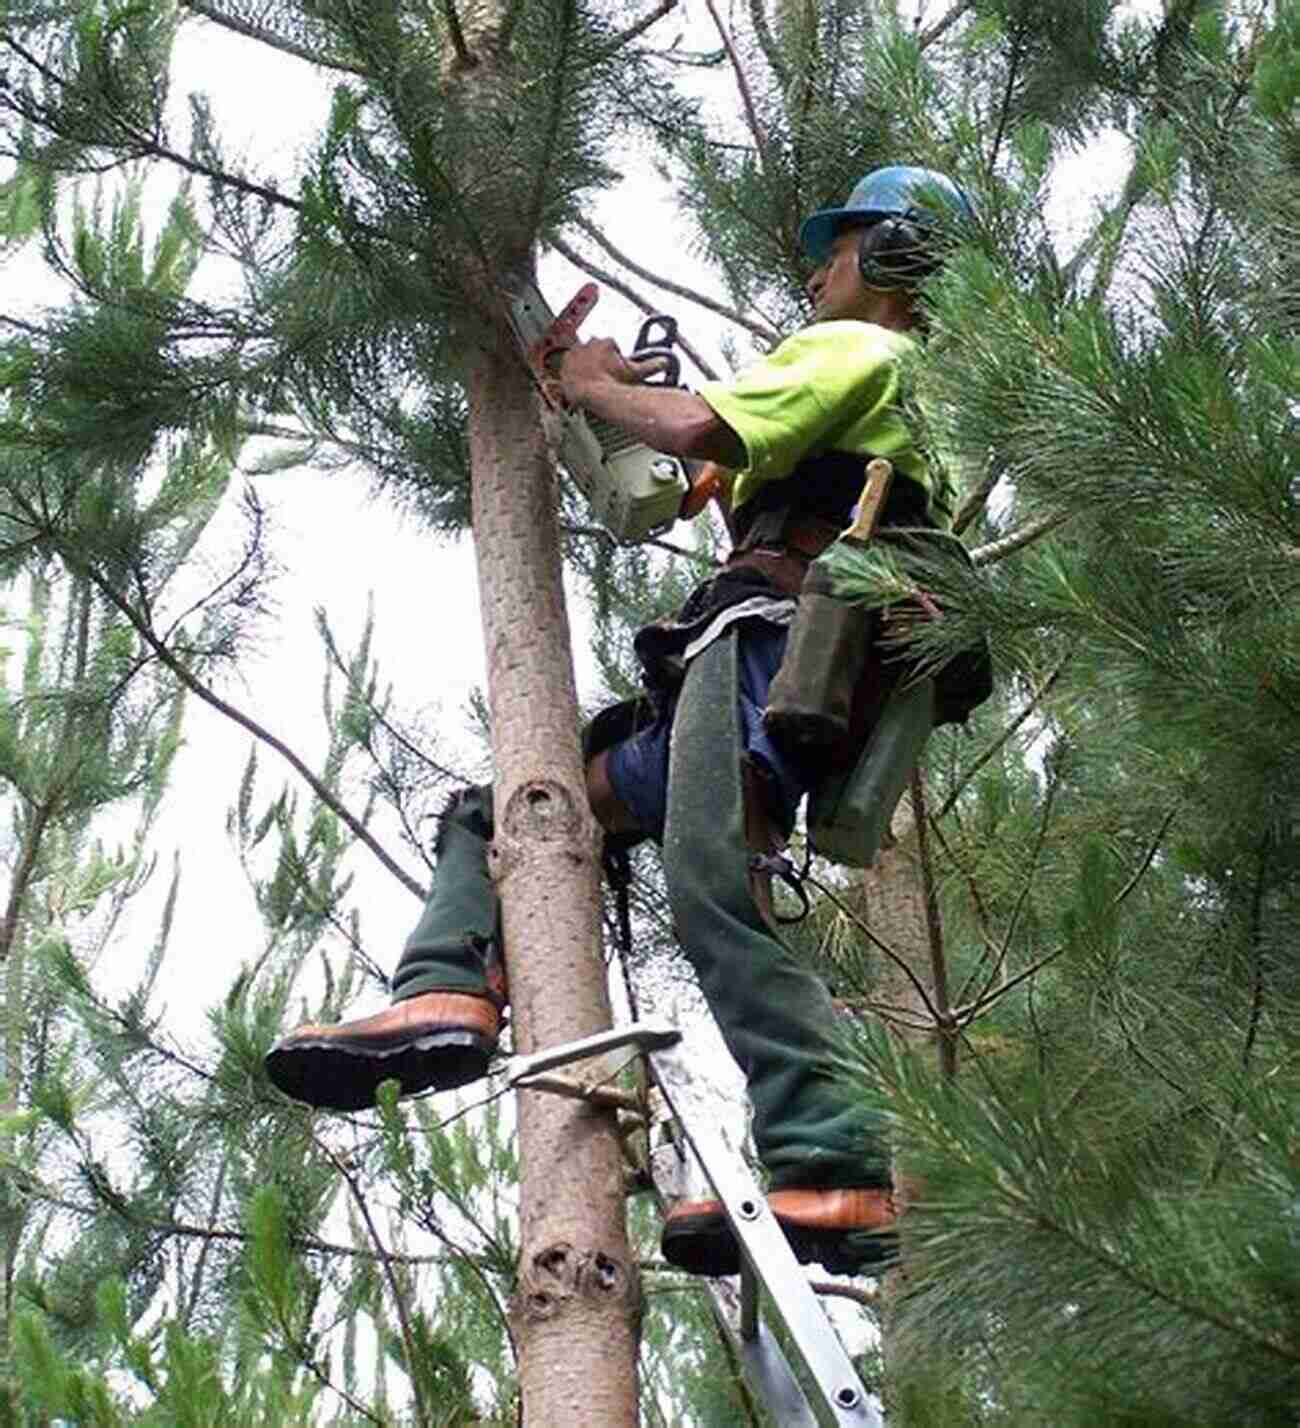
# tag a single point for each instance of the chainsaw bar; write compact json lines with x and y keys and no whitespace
{"x":633,"y":491}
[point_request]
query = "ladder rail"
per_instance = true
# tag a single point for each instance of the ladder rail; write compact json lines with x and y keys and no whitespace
{"x":839,"y":1394}
{"x":768,"y":1261}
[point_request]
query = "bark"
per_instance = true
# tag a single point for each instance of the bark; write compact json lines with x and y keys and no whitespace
{"x":576,"y":1307}
{"x":894,"y":905}
{"x":895,"y":893}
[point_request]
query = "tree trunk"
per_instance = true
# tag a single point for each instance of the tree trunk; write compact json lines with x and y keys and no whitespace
{"x":898,"y":905}
{"x":576,"y":1307}
{"x":900,"y":908}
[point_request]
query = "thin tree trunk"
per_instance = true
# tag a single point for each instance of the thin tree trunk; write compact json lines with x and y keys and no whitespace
{"x":894,"y":906}
{"x":576,"y":1307}
{"x":899,"y":908}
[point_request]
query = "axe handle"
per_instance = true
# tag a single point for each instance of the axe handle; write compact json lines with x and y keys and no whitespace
{"x":880,"y":476}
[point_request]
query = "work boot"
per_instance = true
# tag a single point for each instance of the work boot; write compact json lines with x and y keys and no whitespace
{"x":848,"y":1231}
{"x":449,"y":989}
{"x":431,"y":1042}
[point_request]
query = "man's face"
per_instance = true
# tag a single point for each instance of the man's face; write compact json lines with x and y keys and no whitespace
{"x":836,"y":287}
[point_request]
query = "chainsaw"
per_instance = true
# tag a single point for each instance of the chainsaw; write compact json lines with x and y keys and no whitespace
{"x":633,"y":492}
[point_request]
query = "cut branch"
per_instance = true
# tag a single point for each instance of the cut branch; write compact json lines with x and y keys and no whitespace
{"x":976,"y":501}
{"x":995,"y":550}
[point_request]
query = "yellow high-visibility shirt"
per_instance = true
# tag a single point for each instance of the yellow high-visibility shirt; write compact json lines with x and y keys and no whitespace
{"x":833,"y":386}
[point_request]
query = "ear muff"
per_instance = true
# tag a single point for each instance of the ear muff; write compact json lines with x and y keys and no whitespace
{"x":898,"y":252}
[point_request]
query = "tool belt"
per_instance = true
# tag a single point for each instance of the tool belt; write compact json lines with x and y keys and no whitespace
{"x":834,"y":679}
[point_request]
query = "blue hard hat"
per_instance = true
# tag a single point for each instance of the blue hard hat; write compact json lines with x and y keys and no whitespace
{"x":900,"y":191}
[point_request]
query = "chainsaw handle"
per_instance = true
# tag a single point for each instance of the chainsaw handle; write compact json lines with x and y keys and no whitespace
{"x":647,"y":336}
{"x":669,"y":375}
{"x":655,"y":339}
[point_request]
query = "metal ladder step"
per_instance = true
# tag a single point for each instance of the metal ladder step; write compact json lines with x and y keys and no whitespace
{"x":767,"y":1260}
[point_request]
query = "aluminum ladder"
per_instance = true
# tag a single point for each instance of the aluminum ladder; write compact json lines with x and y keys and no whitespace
{"x":767,"y":1261}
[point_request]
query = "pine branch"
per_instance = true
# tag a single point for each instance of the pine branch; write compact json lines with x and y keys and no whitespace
{"x":211,"y":1234}
{"x":1256,"y":954}
{"x":143,"y":145}
{"x":559,"y":86}
{"x":898,"y":1016}
{"x":22,"y":878}
{"x":268,"y":37}
{"x":23,"y":326}
{"x":465,"y":58}
{"x":767,"y":43}
{"x":1001,"y":741}
{"x":394,"y":733}
{"x":601,"y":275}
{"x":1008,"y":93}
{"x":1254,"y":934}
{"x":634,"y":31}
{"x":900,"y":962}
{"x":601,"y":534}
{"x":742,"y":84}
{"x":1044,"y":822}
{"x":995,"y":550}
{"x":941,"y":27}
{"x":977,"y":900}
{"x":390,"y":1275}
{"x":967,"y":1013}
{"x":428,"y":1221}
{"x":245,"y":721}
{"x":206,"y":1241}
{"x":810,"y":63}
{"x":1095,"y":1249}
{"x":1149,"y":857}
{"x":759,"y":329}
{"x":305,"y":1357}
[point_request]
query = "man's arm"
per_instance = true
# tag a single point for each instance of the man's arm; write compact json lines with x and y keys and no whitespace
{"x":596,"y":377}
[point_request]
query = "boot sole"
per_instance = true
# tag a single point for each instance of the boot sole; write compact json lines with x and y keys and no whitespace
{"x":331,"y":1075}
{"x":705,"y":1245}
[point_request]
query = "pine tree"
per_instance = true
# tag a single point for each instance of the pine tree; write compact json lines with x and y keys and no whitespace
{"x":1106,"y":859}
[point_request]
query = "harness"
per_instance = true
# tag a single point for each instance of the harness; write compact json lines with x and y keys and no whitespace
{"x":805,"y":511}
{"x":787,"y":524}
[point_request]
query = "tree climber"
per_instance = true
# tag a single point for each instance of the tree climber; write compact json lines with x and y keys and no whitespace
{"x":703,"y":776}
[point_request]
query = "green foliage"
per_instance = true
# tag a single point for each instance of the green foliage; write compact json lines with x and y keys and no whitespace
{"x":1104,"y":1232}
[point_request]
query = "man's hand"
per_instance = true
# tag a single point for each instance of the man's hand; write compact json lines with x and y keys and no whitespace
{"x":587,"y":366}
{"x":598,"y":378}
